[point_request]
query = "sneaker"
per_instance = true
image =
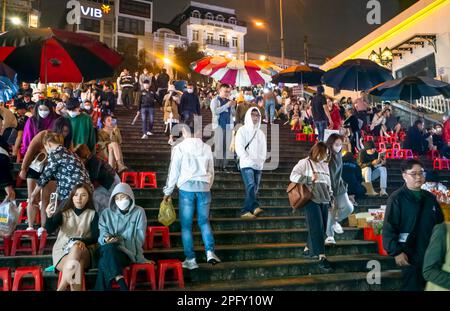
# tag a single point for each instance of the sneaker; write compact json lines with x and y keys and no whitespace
{"x":248,"y":216}
{"x":307,"y":255}
{"x":325,"y":266}
{"x":190,"y":264}
{"x":212,"y":258}
{"x":149,"y":133}
{"x":258,"y":211}
{"x":383,"y":193}
{"x":39,"y":231}
{"x":144,"y":137}
{"x":330,"y":241}
{"x":338,"y":228}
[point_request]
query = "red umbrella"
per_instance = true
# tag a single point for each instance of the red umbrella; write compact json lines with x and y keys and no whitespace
{"x":53,"y":55}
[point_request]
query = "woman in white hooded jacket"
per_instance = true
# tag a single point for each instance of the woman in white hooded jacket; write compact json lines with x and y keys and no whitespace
{"x":251,"y":149}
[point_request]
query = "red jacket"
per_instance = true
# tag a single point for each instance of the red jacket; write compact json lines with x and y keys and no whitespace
{"x":336,"y":117}
{"x":446,"y":134}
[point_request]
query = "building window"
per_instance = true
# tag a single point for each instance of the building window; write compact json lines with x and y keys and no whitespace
{"x":135,"y":8}
{"x":131,"y":26}
{"x":222,"y":40}
{"x":209,"y":16}
{"x":196,"y":14}
{"x":423,"y":67}
{"x":91,"y":25}
{"x":234,"y":42}
{"x":232,"y":20}
{"x":127,"y":45}
{"x":195,"y":35}
{"x":210,"y":37}
{"x":220,"y":18}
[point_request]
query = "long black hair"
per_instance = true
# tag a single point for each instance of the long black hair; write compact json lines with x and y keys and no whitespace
{"x":36,"y":118}
{"x":58,"y":127}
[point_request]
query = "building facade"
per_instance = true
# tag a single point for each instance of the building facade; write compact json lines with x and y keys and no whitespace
{"x":23,"y":13}
{"x":274,"y":59}
{"x":125,"y":25}
{"x":418,"y":40}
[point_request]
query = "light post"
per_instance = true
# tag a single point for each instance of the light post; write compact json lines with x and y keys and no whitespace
{"x":282,"y":33}
{"x":265,"y":26}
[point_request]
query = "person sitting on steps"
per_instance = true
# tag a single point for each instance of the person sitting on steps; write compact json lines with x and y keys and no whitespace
{"x":373,"y":167}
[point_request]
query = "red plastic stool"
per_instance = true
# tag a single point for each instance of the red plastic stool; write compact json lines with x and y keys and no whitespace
{"x":408,"y":154}
{"x":149,"y":268}
{"x":301,"y":137}
{"x":83,"y":281}
{"x":396,"y":146}
{"x":6,"y":247}
{"x":17,"y":246}
{"x":126,"y":276}
{"x":42,"y":242}
{"x":134,"y":178}
{"x":5,"y":276}
{"x":382,"y":147}
{"x":392,"y":140}
{"x":389,"y":154}
{"x":398,"y":154}
{"x":164,"y":266}
{"x":434,"y":154}
{"x":151,"y":180}
{"x":151,"y":231}
{"x":312,"y":137}
{"x":440,"y":164}
{"x":36,"y":272}
{"x":368,"y":138}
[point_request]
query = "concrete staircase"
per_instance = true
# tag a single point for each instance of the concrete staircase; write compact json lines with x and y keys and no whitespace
{"x":263,"y":254}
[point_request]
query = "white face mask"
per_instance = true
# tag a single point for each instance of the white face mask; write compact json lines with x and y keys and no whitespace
{"x":87,"y":108}
{"x":123,"y":204}
{"x":337,"y":149}
{"x":73,"y":114}
{"x":248,"y":98}
{"x":190,"y":91}
{"x":43,"y":113}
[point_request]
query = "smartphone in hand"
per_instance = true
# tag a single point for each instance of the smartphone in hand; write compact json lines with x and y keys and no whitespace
{"x":54,"y":201}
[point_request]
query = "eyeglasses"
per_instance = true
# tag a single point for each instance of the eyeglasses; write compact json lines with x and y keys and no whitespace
{"x":416,"y":174}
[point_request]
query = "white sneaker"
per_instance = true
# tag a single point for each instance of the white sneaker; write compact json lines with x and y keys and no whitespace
{"x":338,"y":228}
{"x":330,"y":240}
{"x":39,"y":231}
{"x":144,"y":137}
{"x":149,"y":133}
{"x":190,"y":264}
{"x":383,"y":193}
{"x":212,"y":258}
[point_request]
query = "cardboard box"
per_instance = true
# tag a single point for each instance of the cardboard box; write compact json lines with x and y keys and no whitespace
{"x":352,"y":221}
{"x":363,"y":223}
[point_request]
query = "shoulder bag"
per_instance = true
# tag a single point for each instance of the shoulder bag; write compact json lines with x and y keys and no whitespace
{"x":299,"y":194}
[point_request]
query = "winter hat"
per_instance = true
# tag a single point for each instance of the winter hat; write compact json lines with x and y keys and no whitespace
{"x":73,"y":104}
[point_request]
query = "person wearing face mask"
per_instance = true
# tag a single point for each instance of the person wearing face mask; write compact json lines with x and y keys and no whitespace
{"x":62,"y":166}
{"x":373,"y":167}
{"x":89,"y":109}
{"x":251,"y":150}
{"x":122,"y":234}
{"x":147,"y":109}
{"x":189,"y":103}
{"x":171,"y":115}
{"x":77,"y":226}
{"x":342,"y":206}
{"x":438,"y":140}
{"x":63,"y":127}
{"x":83,"y":131}
{"x":314,"y":172}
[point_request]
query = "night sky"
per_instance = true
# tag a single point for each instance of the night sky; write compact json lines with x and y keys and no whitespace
{"x":332,"y":25}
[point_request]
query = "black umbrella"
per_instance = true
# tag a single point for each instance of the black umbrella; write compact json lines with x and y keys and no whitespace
{"x":299,"y":74}
{"x":53,"y":55}
{"x":356,"y":75}
{"x":411,"y":88}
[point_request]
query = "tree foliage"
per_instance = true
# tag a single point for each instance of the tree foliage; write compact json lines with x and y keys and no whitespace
{"x":184,"y":56}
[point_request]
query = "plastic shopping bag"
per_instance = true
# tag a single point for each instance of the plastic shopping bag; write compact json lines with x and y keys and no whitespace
{"x":9,"y":217}
{"x":167,"y":215}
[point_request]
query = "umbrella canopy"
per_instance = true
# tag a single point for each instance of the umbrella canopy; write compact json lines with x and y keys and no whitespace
{"x":52,"y":55}
{"x":8,"y":89}
{"x":207,"y":64}
{"x":356,"y":74}
{"x":272,"y":68}
{"x":6,"y":71}
{"x":240,"y":73}
{"x":300,"y":74}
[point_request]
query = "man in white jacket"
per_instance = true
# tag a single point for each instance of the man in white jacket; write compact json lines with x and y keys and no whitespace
{"x":251,"y":149}
{"x":192,"y":171}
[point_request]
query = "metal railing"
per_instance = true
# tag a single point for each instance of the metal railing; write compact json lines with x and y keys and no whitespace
{"x":437,"y":104}
{"x":218,"y":43}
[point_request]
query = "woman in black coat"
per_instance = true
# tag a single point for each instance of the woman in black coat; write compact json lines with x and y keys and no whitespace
{"x":351,"y":174}
{"x":415,"y":138}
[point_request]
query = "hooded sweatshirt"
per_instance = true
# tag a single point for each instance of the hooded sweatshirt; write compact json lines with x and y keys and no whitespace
{"x":131,"y":227}
{"x":192,"y":162}
{"x":255,"y":155}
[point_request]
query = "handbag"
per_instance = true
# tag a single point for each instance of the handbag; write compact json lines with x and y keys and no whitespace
{"x":299,"y":194}
{"x":38,"y":163}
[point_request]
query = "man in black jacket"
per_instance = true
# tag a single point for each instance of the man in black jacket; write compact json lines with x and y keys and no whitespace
{"x":127,"y":84}
{"x":162,"y":83}
{"x":410,"y":218}
{"x":147,"y":108}
{"x":189,"y":103}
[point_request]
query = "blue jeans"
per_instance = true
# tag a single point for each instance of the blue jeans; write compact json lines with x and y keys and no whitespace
{"x":270,"y":112}
{"x":321,"y":127}
{"x":252,"y":179}
{"x":147,"y":115}
{"x":188,"y":202}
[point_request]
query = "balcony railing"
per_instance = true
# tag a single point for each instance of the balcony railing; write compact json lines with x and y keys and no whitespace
{"x":217,"y":43}
{"x":437,"y":104}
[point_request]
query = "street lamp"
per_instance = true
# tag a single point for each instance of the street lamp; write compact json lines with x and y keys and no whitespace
{"x":16,"y":21}
{"x":264,"y":26}
{"x":384,"y":57}
{"x":262,"y":58}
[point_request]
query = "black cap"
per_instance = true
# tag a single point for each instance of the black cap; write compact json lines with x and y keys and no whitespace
{"x":72,"y":104}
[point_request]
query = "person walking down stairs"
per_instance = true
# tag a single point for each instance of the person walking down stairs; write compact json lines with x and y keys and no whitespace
{"x":251,"y":149}
{"x":147,"y":109}
{"x":192,"y":171}
{"x":313,"y":172}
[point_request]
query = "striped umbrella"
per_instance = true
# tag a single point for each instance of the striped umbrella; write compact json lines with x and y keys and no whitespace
{"x":269,"y":66}
{"x":207,"y":64}
{"x":241,"y":73}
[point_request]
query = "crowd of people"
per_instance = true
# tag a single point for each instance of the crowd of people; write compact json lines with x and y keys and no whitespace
{"x":69,"y":147}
